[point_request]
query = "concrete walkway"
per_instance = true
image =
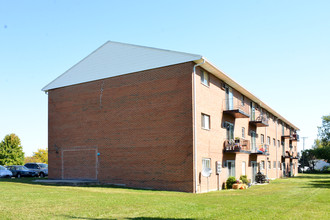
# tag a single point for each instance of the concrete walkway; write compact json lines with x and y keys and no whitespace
{"x":74,"y":182}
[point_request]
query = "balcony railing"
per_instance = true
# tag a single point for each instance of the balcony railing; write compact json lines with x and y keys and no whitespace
{"x":295,"y":137}
{"x":236,"y":146}
{"x":260,"y":148}
{"x":286,"y":136}
{"x":236,"y":108}
{"x":260,"y":121}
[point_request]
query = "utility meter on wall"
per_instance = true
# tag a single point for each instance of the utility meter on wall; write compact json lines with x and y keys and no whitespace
{"x":218,"y":166}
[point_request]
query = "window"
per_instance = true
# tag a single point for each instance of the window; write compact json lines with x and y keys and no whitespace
{"x":229,"y":130}
{"x":274,"y":142}
{"x":205,"y":78}
{"x":269,"y":165}
{"x":278,"y":143}
{"x":243,"y":168}
{"x":282,"y":129}
{"x":206,"y":121}
{"x":242,"y":100}
{"x":206,"y":162}
{"x":262,"y":138}
{"x":243,"y":132}
{"x":268,"y":140}
{"x":262,"y":165}
{"x":274,"y":165}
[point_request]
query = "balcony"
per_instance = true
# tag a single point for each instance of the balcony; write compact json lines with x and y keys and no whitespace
{"x":260,"y":149}
{"x":295,"y":137}
{"x":286,"y":136}
{"x":260,"y":121}
{"x":236,"y":146}
{"x":235,"y":108}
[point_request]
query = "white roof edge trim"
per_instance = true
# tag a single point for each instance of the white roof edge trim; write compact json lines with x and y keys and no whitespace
{"x":224,"y":77}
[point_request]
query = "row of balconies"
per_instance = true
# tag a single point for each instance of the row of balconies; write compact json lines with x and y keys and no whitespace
{"x":239,"y":109}
{"x":244,"y":146}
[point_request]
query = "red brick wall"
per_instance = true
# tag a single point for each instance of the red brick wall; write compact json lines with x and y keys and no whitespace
{"x":140,"y":124}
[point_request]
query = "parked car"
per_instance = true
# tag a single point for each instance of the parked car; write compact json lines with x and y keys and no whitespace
{"x":4,"y":173}
{"x":41,"y":168}
{"x":20,"y":171}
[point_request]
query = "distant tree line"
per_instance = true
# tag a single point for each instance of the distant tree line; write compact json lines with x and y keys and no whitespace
{"x":321,"y":147}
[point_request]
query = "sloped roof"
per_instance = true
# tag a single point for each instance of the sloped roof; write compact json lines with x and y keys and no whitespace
{"x":114,"y":58}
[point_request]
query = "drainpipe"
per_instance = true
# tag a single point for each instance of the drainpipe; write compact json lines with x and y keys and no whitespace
{"x":195,"y":124}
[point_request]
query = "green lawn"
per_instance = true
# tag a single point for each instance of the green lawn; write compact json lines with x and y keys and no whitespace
{"x":304,"y":197}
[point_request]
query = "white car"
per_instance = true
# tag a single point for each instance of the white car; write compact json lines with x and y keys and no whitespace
{"x":4,"y":173}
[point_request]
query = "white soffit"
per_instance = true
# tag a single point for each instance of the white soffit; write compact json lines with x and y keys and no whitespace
{"x":113,"y":59}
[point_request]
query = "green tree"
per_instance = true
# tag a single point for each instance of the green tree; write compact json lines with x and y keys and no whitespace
{"x":322,"y":144}
{"x":308,"y":158}
{"x":11,"y":151}
{"x":41,"y":155}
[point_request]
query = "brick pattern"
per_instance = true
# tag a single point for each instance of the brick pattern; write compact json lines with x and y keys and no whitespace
{"x":140,"y":123}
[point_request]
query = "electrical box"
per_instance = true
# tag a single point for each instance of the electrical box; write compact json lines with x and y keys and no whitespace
{"x":218,"y":167}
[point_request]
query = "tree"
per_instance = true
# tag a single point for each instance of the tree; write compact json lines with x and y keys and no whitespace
{"x":11,"y":151}
{"x":322,"y":144}
{"x":308,"y":158}
{"x":41,"y":156}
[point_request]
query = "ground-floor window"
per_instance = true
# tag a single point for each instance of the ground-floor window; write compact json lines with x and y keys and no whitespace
{"x":274,"y":165}
{"x":269,"y":165}
{"x":206,"y":163}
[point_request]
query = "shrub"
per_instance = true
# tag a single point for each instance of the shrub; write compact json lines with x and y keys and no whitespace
{"x":230,"y":181}
{"x":244,"y":179}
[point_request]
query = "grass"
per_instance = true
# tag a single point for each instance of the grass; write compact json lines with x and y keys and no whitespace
{"x":303,"y":197}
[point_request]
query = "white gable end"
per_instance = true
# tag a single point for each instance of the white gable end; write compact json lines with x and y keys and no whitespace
{"x":113,"y":59}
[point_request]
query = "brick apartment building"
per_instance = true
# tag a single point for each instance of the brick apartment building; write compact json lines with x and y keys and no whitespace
{"x":152,"y":118}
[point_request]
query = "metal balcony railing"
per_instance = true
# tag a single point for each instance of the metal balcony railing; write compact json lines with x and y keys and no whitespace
{"x":237,"y":145}
{"x":236,"y":108}
{"x":260,"y":148}
{"x":260,"y":121}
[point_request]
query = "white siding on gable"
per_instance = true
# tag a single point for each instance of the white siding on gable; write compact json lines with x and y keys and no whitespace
{"x":113,"y":59}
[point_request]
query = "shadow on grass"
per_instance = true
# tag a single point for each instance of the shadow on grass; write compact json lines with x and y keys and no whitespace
{"x":31,"y":180}
{"x":135,"y":218}
{"x":316,"y":180}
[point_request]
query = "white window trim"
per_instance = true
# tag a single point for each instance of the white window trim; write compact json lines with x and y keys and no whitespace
{"x":208,"y":79}
{"x":203,"y":122}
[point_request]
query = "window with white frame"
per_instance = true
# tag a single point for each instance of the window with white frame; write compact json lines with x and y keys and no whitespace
{"x":205,"y":121}
{"x":269,"y":165}
{"x":242,"y":100}
{"x":243,"y":132}
{"x":262,"y":138}
{"x":268,"y":140}
{"x":274,"y":142}
{"x":278,"y":143}
{"x":206,"y":163}
{"x":274,"y":165}
{"x":205,"y":78}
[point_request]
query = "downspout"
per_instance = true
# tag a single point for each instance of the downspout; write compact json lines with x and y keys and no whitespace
{"x":195,"y":124}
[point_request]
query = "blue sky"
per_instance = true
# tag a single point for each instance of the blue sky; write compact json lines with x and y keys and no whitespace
{"x":278,"y":50}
